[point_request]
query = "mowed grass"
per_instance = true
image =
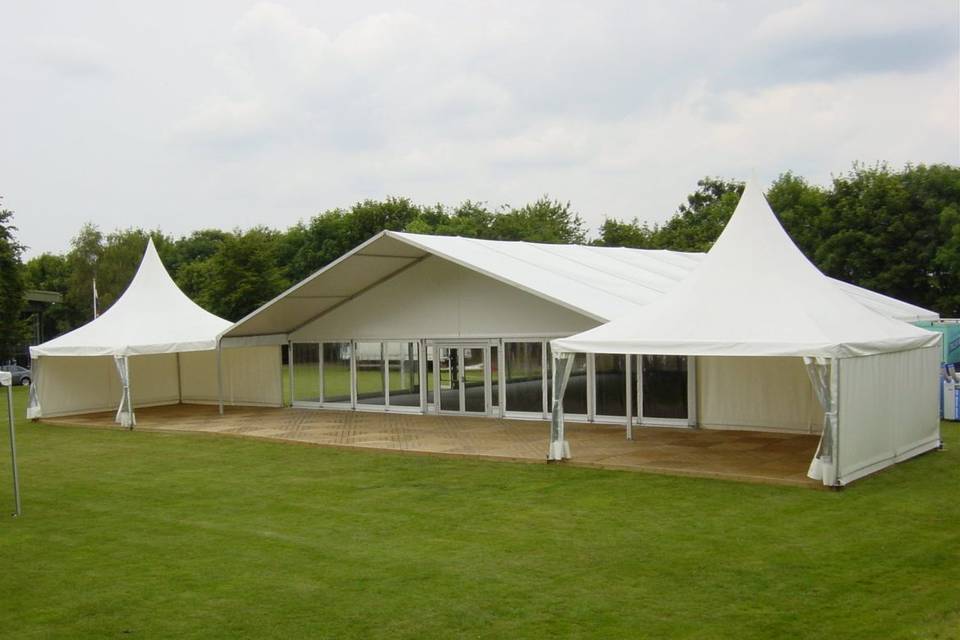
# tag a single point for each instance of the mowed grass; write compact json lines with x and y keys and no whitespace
{"x":134,"y":534}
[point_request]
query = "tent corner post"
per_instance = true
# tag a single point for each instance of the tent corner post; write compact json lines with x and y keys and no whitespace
{"x":628,"y":361}
{"x":559,"y":448}
{"x":131,"y":415}
{"x":125,"y":415}
{"x":220,"y":377}
{"x":835,"y":407}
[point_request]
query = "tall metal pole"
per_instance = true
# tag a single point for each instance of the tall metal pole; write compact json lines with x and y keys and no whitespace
{"x":13,"y":449}
{"x":219,"y":377}
{"x":179,"y":382}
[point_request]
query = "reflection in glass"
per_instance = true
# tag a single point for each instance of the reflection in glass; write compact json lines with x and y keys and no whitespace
{"x":306,"y":372}
{"x":474,"y":390}
{"x":370,"y":373}
{"x":665,"y":387}
{"x":431,"y":364}
{"x":575,"y":397}
{"x":524,"y":376}
{"x":494,"y":377}
{"x":403,"y":366}
{"x":336,"y":372}
{"x":448,"y":361}
{"x":611,"y":384}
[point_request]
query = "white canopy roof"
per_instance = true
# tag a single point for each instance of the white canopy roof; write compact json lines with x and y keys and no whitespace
{"x":755,"y":294}
{"x":152,"y":316}
{"x":600,"y":282}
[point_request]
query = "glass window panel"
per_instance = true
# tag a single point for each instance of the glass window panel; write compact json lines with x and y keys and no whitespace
{"x":370,"y":373}
{"x":449,"y":363}
{"x":665,"y":387}
{"x":403,"y":365}
{"x":494,"y":377}
{"x":575,"y":397}
{"x":474,"y":389}
{"x":611,"y":384}
{"x":431,"y":364}
{"x":306,"y":372}
{"x":336,"y":372}
{"x":524,"y":376}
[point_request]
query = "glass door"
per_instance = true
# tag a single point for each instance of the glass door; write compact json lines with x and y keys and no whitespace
{"x":447,"y":370}
{"x":460,"y":378}
{"x":473,"y":389}
{"x":664,"y":390}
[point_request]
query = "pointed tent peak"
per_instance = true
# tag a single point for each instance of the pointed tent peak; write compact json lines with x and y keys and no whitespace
{"x":151,"y":276}
{"x":755,"y":293}
{"x":152,"y":316}
{"x":754,"y":239}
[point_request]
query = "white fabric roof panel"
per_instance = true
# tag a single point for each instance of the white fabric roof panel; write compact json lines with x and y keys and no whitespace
{"x":754,"y":294}
{"x":377,"y":259}
{"x":885,"y":305}
{"x":603,"y":283}
{"x":152,"y":316}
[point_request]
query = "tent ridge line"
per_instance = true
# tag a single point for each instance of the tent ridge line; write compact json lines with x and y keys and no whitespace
{"x":577,"y":280}
{"x":656,"y":258}
{"x":606,"y":272}
{"x":513,"y":283}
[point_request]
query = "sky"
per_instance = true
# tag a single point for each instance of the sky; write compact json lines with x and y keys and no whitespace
{"x":229,"y":114}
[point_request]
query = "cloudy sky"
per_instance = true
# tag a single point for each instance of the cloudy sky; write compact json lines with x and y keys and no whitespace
{"x":182,"y":115}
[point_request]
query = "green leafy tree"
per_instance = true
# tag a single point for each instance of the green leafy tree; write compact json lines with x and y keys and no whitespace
{"x":700,"y":220}
{"x":469,"y":219}
{"x":50,"y":272}
{"x":891,"y":232}
{"x":243,"y":274}
{"x":13,"y":329}
{"x":616,"y":233}
{"x":545,"y":220}
{"x":85,"y":250}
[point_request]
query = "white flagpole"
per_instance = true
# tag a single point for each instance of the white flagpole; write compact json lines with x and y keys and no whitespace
{"x":13,"y":449}
{"x":94,"y":297}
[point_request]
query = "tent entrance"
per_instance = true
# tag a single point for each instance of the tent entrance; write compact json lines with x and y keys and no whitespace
{"x":664,"y":387}
{"x":462,"y":375}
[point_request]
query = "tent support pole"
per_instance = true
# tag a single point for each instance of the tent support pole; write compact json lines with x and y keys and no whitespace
{"x":179,"y":382}
{"x":629,"y":396}
{"x":126,"y":365}
{"x":13,"y":450}
{"x":219,"y":377}
{"x":835,"y":407}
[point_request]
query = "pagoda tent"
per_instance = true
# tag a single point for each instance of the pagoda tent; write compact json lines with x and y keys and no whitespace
{"x":756,"y":297}
{"x":153,"y":347}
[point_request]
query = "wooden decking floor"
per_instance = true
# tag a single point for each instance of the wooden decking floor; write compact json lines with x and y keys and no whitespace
{"x":739,"y":455}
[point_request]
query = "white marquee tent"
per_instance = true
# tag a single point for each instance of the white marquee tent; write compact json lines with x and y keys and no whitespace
{"x":755,"y":295}
{"x":154,"y":346}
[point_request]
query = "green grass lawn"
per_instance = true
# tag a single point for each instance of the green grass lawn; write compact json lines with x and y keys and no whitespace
{"x":134,"y":534}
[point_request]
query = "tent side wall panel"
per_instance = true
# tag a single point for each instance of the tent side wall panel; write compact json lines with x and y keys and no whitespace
{"x":436,"y":298}
{"x":889,"y":410}
{"x":71,"y":385}
{"x":771,"y":394}
{"x":251,"y":376}
{"x":153,"y":379}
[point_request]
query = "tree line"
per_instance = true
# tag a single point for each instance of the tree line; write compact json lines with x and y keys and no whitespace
{"x":893,"y":231}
